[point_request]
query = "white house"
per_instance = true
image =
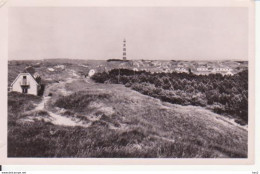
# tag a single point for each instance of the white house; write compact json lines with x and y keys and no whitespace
{"x":181,"y":70}
{"x":26,"y":83}
{"x":222,"y":69}
{"x":202,"y":69}
{"x":91,"y":72}
{"x":229,"y":73}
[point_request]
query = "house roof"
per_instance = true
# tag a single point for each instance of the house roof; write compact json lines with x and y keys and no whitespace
{"x":30,"y":70}
{"x":24,"y":73}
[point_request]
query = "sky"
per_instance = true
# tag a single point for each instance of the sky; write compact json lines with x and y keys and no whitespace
{"x":182,"y":33}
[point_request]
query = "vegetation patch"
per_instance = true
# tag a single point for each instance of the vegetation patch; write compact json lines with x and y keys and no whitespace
{"x":47,"y":140}
{"x":79,"y":101}
{"x":19,"y":103}
{"x":227,"y":95}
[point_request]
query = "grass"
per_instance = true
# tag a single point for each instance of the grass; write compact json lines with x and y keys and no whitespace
{"x":144,"y":127}
{"x":79,"y":101}
{"x":56,"y":141}
{"x":19,"y":103}
{"x":140,"y":121}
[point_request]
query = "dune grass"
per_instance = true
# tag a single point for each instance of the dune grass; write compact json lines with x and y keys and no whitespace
{"x":156,"y":124}
{"x":47,"y":140}
{"x":124,"y":123}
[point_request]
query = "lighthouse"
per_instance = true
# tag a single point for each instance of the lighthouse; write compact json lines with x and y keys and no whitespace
{"x":124,"y":49}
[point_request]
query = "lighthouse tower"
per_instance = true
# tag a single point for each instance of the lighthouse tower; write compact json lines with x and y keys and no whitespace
{"x":124,"y":49}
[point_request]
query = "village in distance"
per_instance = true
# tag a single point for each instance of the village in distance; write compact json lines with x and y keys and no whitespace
{"x":121,"y":108}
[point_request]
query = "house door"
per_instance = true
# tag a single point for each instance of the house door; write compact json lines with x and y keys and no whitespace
{"x":25,"y":89}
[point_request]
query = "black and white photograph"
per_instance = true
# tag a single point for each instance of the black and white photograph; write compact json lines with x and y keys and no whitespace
{"x":128,"y":82}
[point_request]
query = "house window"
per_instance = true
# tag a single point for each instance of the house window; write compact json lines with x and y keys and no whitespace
{"x":24,"y":85}
{"x":24,"y":81}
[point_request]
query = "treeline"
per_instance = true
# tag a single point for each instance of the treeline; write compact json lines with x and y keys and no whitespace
{"x":222,"y":94}
{"x":118,"y":60}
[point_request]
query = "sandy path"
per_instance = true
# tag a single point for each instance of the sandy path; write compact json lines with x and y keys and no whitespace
{"x":65,"y":121}
{"x":56,"y":118}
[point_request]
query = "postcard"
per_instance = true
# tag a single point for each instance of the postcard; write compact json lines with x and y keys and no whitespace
{"x":127,"y":82}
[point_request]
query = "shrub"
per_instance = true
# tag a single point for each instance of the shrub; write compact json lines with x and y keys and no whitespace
{"x":229,"y":92}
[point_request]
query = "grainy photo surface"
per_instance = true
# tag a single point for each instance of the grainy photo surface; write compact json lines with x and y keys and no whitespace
{"x":128,"y":82}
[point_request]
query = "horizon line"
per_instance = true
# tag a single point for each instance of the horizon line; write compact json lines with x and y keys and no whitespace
{"x":128,"y":59}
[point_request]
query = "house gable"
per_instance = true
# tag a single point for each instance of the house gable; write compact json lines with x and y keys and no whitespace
{"x":21,"y":75}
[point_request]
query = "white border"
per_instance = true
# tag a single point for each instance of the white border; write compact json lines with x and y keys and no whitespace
{"x":209,"y":162}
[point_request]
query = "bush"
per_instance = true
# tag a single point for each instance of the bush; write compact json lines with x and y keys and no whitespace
{"x":229,"y":92}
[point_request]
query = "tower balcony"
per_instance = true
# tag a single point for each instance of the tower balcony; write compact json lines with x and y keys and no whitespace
{"x":24,"y":83}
